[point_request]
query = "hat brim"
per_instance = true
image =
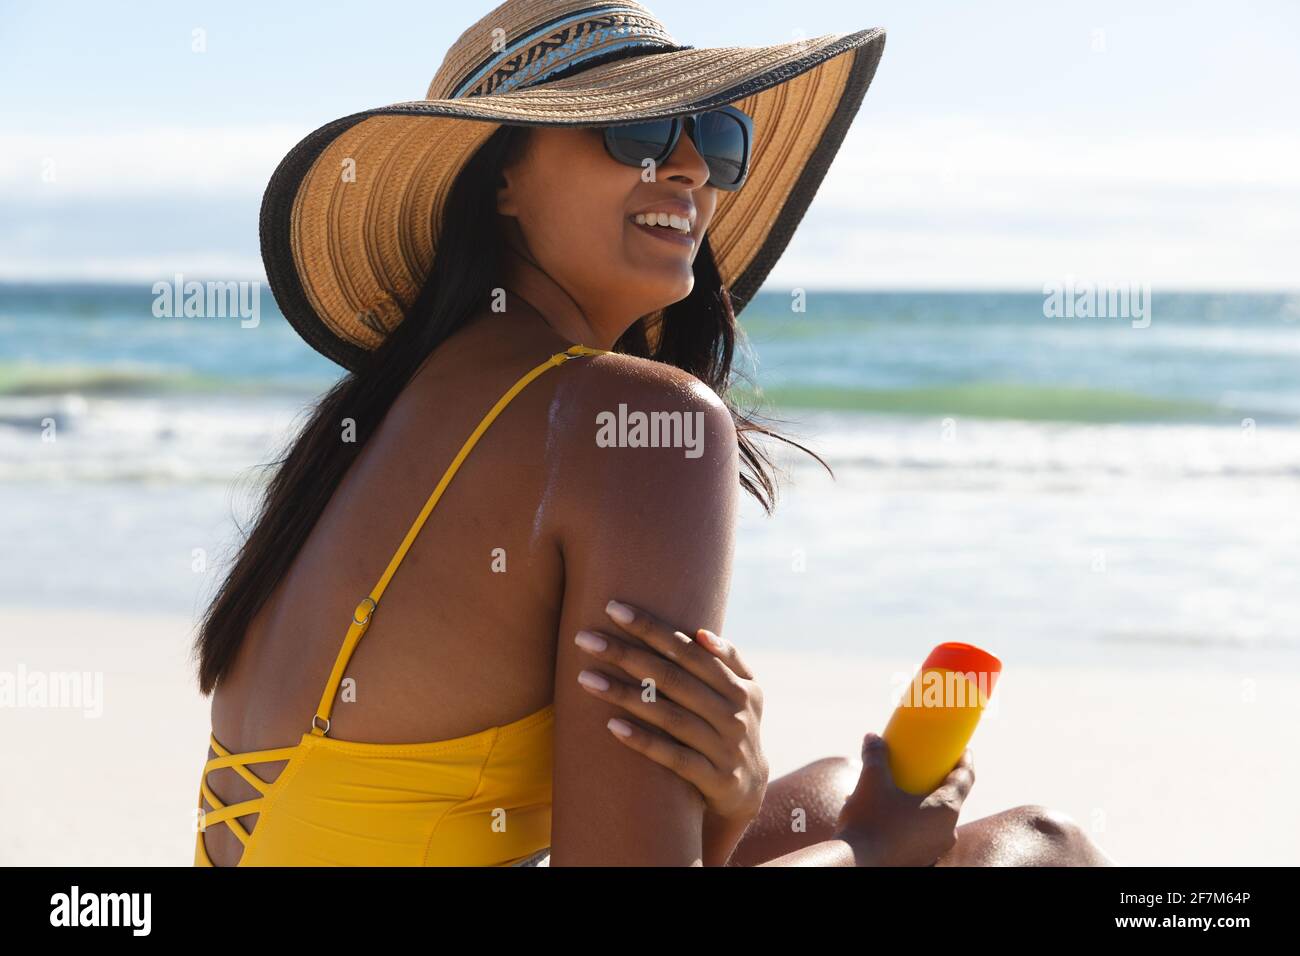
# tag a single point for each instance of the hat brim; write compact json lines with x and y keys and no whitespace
{"x":348,"y":220}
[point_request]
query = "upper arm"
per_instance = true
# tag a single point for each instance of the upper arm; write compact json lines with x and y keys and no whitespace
{"x":652,"y":527}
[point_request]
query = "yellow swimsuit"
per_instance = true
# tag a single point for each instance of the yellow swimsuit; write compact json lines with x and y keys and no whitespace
{"x":479,"y":800}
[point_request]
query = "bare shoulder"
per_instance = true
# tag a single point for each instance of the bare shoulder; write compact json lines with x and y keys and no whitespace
{"x":658,"y":414}
{"x":614,"y":370}
{"x":623,"y":429}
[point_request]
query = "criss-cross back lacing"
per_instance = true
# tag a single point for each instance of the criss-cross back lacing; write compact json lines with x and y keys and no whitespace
{"x":361,"y":617}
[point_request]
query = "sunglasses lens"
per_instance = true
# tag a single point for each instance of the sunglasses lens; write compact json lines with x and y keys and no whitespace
{"x":720,"y":138}
{"x":722,"y":142}
{"x":641,"y":141}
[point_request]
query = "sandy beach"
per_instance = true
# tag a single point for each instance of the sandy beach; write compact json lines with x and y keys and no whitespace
{"x":1162,"y":769}
{"x":1030,"y":303}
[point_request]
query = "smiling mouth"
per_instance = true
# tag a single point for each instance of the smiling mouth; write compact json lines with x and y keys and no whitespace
{"x":677,"y":234}
{"x":663,"y":220}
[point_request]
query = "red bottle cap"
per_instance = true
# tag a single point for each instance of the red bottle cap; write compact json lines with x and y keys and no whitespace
{"x":965,"y":658}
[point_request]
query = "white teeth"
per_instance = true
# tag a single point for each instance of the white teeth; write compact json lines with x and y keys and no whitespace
{"x":664,"y":219}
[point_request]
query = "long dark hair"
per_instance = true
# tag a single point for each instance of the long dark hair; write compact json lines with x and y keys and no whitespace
{"x":697,"y":334}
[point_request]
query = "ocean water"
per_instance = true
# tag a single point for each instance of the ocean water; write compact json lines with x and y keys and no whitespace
{"x":1059,"y":489}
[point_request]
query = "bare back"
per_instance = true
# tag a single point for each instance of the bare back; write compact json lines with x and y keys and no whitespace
{"x":466,"y":639}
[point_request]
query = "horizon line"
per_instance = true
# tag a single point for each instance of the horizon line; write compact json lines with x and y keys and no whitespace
{"x":955,"y":289}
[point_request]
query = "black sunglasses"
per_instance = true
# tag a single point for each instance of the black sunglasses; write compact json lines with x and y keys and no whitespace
{"x":722,"y":137}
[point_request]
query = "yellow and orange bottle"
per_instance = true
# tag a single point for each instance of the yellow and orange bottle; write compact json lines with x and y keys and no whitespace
{"x":937,"y":715}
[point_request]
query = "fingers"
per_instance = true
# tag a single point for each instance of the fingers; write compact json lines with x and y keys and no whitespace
{"x":669,"y":716}
{"x":874,"y":780}
{"x":683,"y":761}
{"x":677,"y":647}
{"x":671,"y":679}
{"x":724,"y":650}
{"x":875,"y":752}
{"x":957,"y":785}
{"x":875,"y":762}
{"x":967,"y":761}
{"x":962,"y":776}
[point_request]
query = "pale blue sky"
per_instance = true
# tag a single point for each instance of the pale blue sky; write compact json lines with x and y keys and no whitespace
{"x":1001,"y":144}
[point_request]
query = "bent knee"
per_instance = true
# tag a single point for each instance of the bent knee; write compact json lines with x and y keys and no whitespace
{"x":829,"y":765}
{"x":822,"y":786}
{"x":835,"y":776}
{"x":1048,"y":824}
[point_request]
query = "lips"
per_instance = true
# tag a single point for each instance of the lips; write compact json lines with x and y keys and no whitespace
{"x":667,"y":234}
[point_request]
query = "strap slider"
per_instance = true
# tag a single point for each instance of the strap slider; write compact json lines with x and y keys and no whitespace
{"x":366,"y":607}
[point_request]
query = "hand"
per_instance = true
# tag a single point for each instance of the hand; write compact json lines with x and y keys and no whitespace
{"x":705,"y":701}
{"x":893,"y":827}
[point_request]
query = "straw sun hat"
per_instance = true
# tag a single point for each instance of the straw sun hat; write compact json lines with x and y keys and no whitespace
{"x":349,"y":221}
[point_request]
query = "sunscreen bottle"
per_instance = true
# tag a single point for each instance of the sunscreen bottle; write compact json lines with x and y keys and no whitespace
{"x":938,"y":714}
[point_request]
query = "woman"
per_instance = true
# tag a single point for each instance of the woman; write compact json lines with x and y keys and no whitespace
{"x":500,"y":262}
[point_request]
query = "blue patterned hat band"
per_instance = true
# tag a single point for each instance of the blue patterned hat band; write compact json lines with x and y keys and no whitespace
{"x":562,"y":45}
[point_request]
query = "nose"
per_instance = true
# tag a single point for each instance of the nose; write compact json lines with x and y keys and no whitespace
{"x":685,"y":165}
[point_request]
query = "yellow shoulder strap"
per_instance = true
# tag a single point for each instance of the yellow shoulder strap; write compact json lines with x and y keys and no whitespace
{"x":320,"y":722}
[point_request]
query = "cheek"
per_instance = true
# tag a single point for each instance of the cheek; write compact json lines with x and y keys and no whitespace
{"x":575,"y":202}
{"x":575,"y":244}
{"x":576,"y":221}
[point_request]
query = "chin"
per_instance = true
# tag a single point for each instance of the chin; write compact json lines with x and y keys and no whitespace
{"x":674,"y":285}
{"x":647,"y":285}
{"x":672,"y":292}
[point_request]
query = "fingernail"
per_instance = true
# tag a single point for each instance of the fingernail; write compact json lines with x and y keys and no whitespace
{"x":620,"y":727}
{"x":590,"y":641}
{"x":619,"y":612}
{"x":594,"y":681}
{"x":713,"y":640}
